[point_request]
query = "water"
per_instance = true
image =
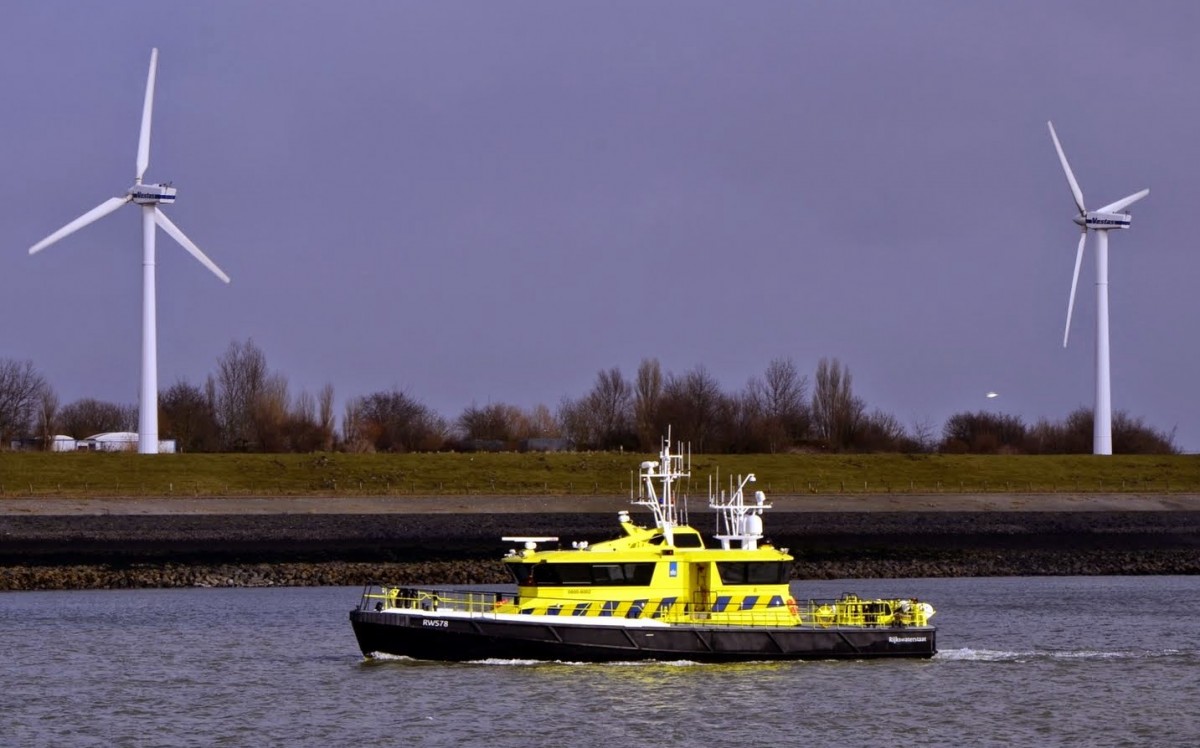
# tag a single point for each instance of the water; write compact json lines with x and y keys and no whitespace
{"x":1094,"y":661}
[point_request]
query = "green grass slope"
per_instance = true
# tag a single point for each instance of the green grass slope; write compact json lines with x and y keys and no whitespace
{"x":577,"y":473}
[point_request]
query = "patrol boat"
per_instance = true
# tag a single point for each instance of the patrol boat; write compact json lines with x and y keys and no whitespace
{"x":654,"y":593}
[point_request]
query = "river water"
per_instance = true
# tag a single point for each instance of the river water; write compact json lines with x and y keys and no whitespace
{"x":1043,"y":661}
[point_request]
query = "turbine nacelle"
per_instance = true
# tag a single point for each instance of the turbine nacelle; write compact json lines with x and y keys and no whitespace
{"x":1098,"y":221}
{"x":151,"y":194}
{"x":1111,"y":216}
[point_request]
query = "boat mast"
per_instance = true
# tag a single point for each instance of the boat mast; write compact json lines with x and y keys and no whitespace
{"x":735,"y":519}
{"x":664,"y":472}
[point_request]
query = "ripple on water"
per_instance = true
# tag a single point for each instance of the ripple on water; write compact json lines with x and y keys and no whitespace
{"x":1018,"y":666}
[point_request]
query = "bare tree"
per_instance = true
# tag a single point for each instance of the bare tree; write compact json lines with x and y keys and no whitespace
{"x":543,"y":424}
{"x":392,"y":422}
{"x":603,"y":419}
{"x":577,"y":422}
{"x":241,"y":376}
{"x":21,"y":391}
{"x":780,"y":398}
{"x":984,"y":433}
{"x":611,"y":401}
{"x":269,"y":415}
{"x":836,"y":412}
{"x":88,"y":416}
{"x":48,"y":417}
{"x":924,"y":434}
{"x":496,"y":422}
{"x":354,"y":427}
{"x":690,"y":406}
{"x":1073,"y":435}
{"x":305,"y":407}
{"x":647,"y":399}
{"x":302,"y":428}
{"x":742,"y":425}
{"x":186,"y":414}
{"x":210,"y":394}
{"x":1131,"y":435}
{"x":882,"y":432}
{"x":325,"y":416}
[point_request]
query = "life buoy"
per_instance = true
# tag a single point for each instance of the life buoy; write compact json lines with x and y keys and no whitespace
{"x":792,"y":607}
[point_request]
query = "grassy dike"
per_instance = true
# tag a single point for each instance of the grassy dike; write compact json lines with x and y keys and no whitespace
{"x":81,"y":474}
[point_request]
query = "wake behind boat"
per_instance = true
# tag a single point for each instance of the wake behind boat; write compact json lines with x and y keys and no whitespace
{"x":654,"y":593}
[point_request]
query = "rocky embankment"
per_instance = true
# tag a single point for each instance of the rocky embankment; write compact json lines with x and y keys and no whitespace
{"x":251,"y":550}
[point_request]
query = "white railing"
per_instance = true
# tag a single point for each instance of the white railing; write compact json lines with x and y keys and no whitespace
{"x":712,"y":610}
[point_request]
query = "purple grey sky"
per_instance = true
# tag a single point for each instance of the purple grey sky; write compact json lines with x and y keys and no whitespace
{"x":491,"y":201}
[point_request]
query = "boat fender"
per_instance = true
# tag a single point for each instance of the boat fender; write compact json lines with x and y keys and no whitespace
{"x":792,"y":607}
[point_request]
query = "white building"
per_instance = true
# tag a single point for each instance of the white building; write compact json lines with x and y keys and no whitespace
{"x":121,"y":441}
{"x":62,"y":443}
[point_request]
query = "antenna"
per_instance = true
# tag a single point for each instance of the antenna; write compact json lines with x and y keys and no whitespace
{"x":736,"y":520}
{"x":657,"y":479}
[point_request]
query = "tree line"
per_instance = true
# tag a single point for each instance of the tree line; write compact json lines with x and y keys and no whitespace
{"x":244,"y":406}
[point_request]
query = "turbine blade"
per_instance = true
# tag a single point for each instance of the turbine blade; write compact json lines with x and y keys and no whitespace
{"x":1062,"y":157}
{"x":161,"y":219}
{"x":1074,"y":283}
{"x":1123,"y":203}
{"x":93,"y":215}
{"x":143,"y":154}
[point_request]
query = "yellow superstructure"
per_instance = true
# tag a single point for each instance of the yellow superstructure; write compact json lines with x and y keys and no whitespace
{"x":640,"y":576}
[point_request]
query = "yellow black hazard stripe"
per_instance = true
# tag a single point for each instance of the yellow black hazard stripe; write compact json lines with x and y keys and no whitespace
{"x":651,"y":608}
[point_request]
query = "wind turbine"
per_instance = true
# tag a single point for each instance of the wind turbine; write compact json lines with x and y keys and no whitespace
{"x":1100,"y":221}
{"x":148,"y":196}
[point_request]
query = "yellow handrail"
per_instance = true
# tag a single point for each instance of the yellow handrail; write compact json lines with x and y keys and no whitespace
{"x":846,"y":611}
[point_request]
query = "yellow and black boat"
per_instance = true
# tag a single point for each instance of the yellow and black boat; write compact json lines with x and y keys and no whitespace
{"x":654,"y":593}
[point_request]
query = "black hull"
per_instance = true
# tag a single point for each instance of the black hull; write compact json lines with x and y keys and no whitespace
{"x":467,"y":639}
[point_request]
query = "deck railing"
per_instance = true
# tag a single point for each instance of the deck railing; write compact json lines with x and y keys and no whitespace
{"x":714,"y":610}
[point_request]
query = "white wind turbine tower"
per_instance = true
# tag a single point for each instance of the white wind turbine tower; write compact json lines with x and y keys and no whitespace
{"x":1100,"y":221}
{"x":148,"y":196}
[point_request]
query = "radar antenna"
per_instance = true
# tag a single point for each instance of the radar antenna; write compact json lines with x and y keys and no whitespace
{"x":656,"y":479}
{"x":735,"y":519}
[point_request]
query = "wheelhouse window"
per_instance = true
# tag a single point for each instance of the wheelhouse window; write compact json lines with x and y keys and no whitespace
{"x":682,"y":540}
{"x":753,"y":572}
{"x":583,"y":575}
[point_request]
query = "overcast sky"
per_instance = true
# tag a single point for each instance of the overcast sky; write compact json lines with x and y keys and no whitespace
{"x":492,"y":201}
